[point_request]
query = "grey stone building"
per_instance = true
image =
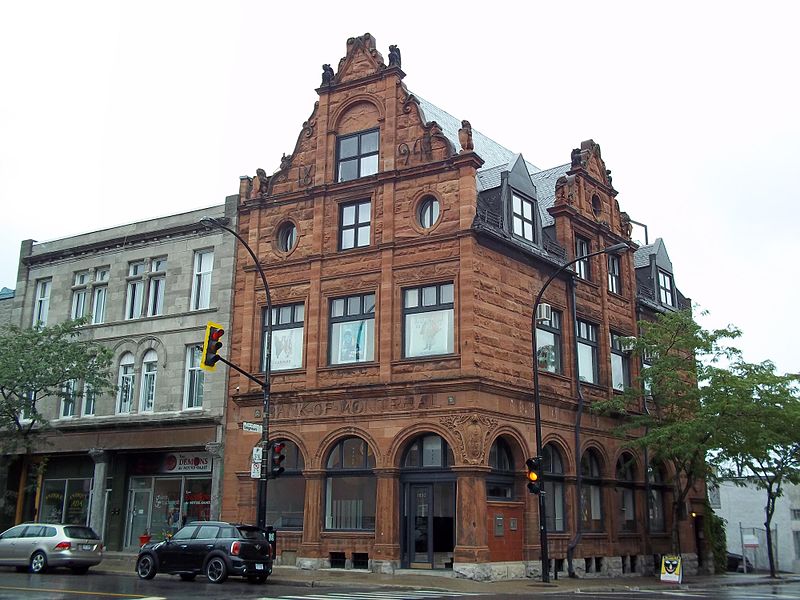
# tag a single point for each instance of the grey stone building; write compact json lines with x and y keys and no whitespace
{"x":145,"y":459}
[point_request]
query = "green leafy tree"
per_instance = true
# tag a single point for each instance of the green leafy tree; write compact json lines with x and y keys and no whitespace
{"x":763,"y":447}
{"x":683,"y":411}
{"x":37,"y":368}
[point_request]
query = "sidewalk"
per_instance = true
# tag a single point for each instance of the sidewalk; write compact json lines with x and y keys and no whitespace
{"x":123,"y":564}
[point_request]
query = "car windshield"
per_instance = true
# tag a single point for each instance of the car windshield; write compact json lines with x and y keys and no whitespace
{"x":75,"y":531}
{"x":252,"y":533}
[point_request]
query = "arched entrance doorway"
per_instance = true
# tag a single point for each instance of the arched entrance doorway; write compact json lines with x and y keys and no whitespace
{"x":428,"y":523}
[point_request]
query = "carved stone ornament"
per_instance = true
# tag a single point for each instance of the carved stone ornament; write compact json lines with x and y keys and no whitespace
{"x":577,"y":159}
{"x":473,"y":432}
{"x":286,"y":162}
{"x":260,"y":184}
{"x":465,"y":137}
{"x":394,"y":56}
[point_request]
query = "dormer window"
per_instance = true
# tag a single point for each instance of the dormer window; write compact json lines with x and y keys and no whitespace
{"x":666,"y":288}
{"x":356,"y":155}
{"x":522,"y":217}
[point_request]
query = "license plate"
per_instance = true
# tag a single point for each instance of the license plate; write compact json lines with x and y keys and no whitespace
{"x":259,"y":567}
{"x":86,"y":547}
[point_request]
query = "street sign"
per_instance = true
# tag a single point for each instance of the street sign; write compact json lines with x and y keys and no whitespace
{"x":255,"y":465}
{"x":750,"y":541}
{"x":252,"y":427}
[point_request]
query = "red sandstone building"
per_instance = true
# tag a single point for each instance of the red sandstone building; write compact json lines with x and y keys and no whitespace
{"x":403,"y":251}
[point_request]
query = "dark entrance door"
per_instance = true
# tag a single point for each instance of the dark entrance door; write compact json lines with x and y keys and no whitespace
{"x":429,"y":525}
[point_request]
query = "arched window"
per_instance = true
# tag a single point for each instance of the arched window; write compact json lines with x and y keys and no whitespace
{"x":126,"y":382}
{"x":286,"y":498}
{"x":500,"y":482}
{"x":428,"y":452}
{"x":553,"y":470}
{"x":591,"y":492}
{"x":149,"y":370}
{"x":625,"y":492}
{"x":350,"y":486}
{"x":655,"y":501}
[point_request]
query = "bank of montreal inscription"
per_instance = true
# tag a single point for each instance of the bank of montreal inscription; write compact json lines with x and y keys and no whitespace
{"x":372,"y":406}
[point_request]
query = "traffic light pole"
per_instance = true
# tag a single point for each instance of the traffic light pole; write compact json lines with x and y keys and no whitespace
{"x":261,"y":492}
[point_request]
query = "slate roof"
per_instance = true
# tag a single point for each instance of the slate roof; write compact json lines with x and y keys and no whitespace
{"x":545,"y":182}
{"x":641,"y":258}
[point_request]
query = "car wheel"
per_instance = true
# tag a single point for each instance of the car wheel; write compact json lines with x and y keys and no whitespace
{"x":188,"y":576}
{"x":260,"y":578}
{"x":80,"y":570}
{"x":216,"y":569}
{"x":146,"y":567}
{"x":38,"y":562}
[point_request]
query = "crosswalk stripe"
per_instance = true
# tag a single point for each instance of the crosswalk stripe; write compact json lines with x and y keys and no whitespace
{"x":385,"y":595}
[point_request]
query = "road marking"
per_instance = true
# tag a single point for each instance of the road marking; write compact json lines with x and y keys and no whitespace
{"x":399,"y":595}
{"x":82,"y":593}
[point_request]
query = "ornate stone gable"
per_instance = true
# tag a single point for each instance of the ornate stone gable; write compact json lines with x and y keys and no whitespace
{"x":362,"y":60}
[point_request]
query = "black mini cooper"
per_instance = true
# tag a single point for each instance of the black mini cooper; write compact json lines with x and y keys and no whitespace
{"x":213,"y":548}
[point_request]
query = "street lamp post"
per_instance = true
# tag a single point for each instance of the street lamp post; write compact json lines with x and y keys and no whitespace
{"x":616,"y":248}
{"x":261,"y":493}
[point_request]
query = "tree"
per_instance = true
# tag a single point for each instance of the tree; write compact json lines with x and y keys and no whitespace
{"x":37,"y":367}
{"x":683,"y":412}
{"x":764,"y":446}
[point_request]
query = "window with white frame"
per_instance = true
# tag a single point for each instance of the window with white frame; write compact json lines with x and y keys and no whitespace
{"x":428,"y":320}
{"x":68,"y":400}
{"x":126,"y":383}
{"x":155,"y":296}
{"x":620,"y":362}
{"x":135,"y":296}
{"x":357,"y":155}
{"x":99,"y":292}
{"x":587,"y":352}
{"x":193,"y":391}
{"x":352,"y":327}
{"x":28,"y":402}
{"x":523,"y":220}
{"x":89,"y":401}
{"x":80,"y":294}
{"x":201,"y":284}
{"x":548,"y":343}
{"x":42,"y":302}
{"x":582,"y":248}
{"x":666,"y":289}
{"x":614,"y":276}
{"x":148,"y":387}
{"x":354,"y":228}
{"x":287,"y":338}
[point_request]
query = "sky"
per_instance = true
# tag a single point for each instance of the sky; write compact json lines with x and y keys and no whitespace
{"x":115,"y":112}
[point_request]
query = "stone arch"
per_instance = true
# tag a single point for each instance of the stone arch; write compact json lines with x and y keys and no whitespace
{"x":520,"y":450}
{"x":567,"y":455}
{"x":151,"y":343}
{"x":334,"y":437}
{"x":638,"y":472}
{"x":122,"y":346}
{"x":401,"y":441}
{"x":287,"y":434}
{"x":605,"y":463}
{"x":340,"y":125}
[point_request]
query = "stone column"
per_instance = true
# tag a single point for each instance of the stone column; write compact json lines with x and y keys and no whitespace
{"x":386,"y":556}
{"x":217,"y":471}
{"x":100,"y":458}
{"x":313,"y":513}
{"x":472,"y":538}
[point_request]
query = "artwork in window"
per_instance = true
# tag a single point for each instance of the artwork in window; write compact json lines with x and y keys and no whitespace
{"x":287,"y":349}
{"x":429,"y":333}
{"x":353,"y":341}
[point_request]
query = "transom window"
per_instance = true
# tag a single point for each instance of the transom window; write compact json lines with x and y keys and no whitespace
{"x":428,"y":320}
{"x":428,"y":452}
{"x":582,"y":248}
{"x":352,"y":336}
{"x":620,"y":362}
{"x":287,"y":338}
{"x":548,"y":343}
{"x":357,"y":155}
{"x":500,"y":482}
{"x":355,"y":225}
{"x":587,"y":352}
{"x":428,"y":212}
{"x":523,"y":220}
{"x":614,"y":278}
{"x":351,"y":487}
{"x":666,"y":288}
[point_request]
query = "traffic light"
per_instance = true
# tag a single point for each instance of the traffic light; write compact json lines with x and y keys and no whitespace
{"x":276,"y":458}
{"x":534,"y":475}
{"x":211,"y":346}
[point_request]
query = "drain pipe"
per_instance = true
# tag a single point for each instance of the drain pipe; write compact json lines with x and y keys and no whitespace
{"x":578,"y":481}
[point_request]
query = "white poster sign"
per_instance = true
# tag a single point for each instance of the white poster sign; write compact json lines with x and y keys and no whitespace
{"x":429,"y":333}
{"x":287,"y":349}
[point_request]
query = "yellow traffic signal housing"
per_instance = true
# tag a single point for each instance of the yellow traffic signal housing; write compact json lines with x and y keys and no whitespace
{"x":534,"y":466}
{"x":211,"y":346}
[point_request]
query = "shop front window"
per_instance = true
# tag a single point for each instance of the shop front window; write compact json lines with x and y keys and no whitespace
{"x":65,"y":501}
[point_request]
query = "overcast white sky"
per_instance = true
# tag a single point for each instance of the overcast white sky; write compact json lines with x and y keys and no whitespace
{"x":114,"y":112}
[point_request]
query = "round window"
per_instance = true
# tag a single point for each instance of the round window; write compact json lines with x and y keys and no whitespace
{"x":287,"y":237}
{"x":428,"y":211}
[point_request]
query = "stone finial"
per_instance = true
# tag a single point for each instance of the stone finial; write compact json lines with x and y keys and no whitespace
{"x":327,"y":75}
{"x":260,"y":184}
{"x":465,"y":137}
{"x":608,"y":177}
{"x":286,"y":161}
{"x":394,"y":56}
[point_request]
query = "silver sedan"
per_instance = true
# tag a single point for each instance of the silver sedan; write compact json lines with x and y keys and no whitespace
{"x":37,"y":546}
